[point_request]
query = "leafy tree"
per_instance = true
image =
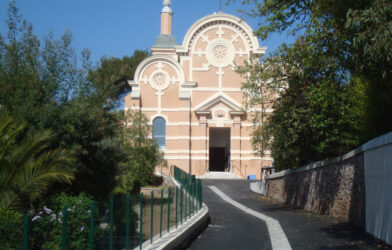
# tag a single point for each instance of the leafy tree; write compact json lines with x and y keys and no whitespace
{"x":372,"y":40}
{"x":312,"y":117}
{"x":141,"y":158}
{"x":42,"y":84}
{"x":371,"y":25}
{"x":114,"y":73}
{"x":27,"y":166}
{"x":330,"y":98}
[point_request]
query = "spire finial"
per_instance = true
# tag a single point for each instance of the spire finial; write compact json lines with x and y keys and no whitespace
{"x":166,"y":6}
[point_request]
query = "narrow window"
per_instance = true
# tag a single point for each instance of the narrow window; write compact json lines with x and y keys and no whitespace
{"x":159,"y":131}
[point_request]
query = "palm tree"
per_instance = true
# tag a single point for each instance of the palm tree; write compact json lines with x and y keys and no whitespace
{"x":27,"y":166}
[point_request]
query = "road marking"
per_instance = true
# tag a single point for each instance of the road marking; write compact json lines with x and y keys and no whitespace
{"x":278,"y":238}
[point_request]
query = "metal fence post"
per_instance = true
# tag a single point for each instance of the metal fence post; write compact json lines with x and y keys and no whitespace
{"x":176,"y":206}
{"x":186,"y":203}
{"x":111,"y":224}
{"x":160,"y":221}
{"x":189,"y":200}
{"x":196,"y":195}
{"x":26,"y":231}
{"x":193,"y":198}
{"x":200,"y":191}
{"x":141,"y":221}
{"x":91,"y":238}
{"x":64,"y":231}
{"x":127,"y":221}
{"x":152,"y":217}
{"x":168,"y":209}
{"x":181,"y":203}
{"x":201,"y":194}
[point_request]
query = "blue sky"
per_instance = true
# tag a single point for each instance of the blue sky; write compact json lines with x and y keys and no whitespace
{"x":118,"y":27}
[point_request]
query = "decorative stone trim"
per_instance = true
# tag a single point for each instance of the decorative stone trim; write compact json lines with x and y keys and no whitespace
{"x":237,"y":112}
{"x":184,"y":95}
{"x":217,"y":19}
{"x":189,"y":84}
{"x":135,"y":94}
{"x":154,"y":59}
{"x":213,"y":100}
{"x":206,"y":113}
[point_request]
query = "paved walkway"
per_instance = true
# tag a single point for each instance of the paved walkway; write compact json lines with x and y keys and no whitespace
{"x":234,"y":227}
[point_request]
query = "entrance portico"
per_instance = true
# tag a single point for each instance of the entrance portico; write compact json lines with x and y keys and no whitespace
{"x":220,"y":115}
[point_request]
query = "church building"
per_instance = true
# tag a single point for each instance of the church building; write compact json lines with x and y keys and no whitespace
{"x":192,"y":96}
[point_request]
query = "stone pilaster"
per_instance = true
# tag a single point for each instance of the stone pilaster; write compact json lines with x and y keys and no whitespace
{"x":204,"y":127}
{"x":235,"y":147}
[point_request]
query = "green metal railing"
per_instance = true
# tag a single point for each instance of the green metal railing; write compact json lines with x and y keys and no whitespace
{"x":125,"y":222}
{"x":192,"y":186}
{"x":183,"y":177}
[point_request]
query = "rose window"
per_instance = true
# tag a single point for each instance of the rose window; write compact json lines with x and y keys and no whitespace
{"x":220,"y":52}
{"x":159,"y":80}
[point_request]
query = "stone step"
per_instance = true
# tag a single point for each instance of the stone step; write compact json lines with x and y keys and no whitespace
{"x":219,"y":175}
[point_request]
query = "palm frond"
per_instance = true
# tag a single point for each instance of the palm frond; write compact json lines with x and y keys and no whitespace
{"x":29,"y":167}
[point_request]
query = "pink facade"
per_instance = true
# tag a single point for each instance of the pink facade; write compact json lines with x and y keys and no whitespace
{"x":195,"y":89}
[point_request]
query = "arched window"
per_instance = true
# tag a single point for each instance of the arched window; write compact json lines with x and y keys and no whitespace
{"x":159,"y":131}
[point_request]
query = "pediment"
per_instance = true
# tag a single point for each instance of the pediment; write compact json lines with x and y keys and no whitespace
{"x":220,"y":100}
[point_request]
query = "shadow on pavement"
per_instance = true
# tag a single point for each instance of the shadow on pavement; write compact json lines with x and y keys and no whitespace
{"x":355,"y":236}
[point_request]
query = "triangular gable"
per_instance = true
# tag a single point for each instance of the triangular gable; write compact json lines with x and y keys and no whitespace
{"x":216,"y":99}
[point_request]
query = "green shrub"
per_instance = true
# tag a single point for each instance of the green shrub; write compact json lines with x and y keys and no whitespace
{"x":11,"y":230}
{"x":46,"y":225}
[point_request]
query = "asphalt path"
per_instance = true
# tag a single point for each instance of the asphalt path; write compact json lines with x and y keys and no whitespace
{"x":232,"y":228}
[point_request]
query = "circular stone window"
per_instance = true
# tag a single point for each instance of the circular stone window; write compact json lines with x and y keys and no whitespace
{"x":220,"y":53}
{"x":159,"y":80}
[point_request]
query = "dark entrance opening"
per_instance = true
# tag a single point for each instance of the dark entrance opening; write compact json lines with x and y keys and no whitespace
{"x":219,"y":149}
{"x":217,"y":159}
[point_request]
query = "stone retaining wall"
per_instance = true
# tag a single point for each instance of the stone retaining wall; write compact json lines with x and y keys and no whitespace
{"x":335,"y":187}
{"x":354,"y":187}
